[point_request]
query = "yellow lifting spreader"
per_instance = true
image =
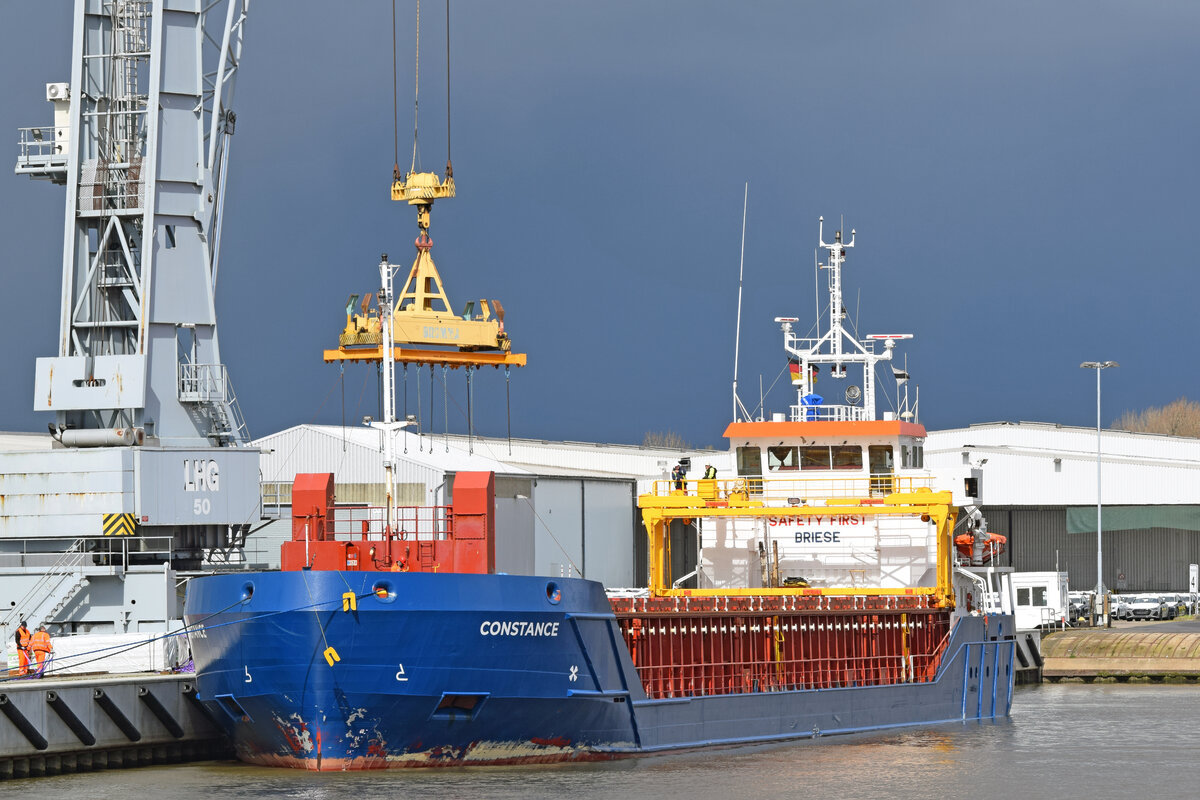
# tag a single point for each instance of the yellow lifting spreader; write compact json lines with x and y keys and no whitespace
{"x":423,"y":316}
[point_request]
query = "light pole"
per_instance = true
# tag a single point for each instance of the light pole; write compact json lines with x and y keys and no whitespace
{"x":1098,"y":366}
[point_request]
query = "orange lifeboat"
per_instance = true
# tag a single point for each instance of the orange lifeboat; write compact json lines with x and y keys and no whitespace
{"x":993,"y":545}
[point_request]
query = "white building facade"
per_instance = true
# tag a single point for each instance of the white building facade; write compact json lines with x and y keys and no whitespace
{"x":1040,"y":490}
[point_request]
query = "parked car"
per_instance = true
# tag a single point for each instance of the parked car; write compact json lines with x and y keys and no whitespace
{"x":1079,"y":606}
{"x":1147,"y":606}
{"x":1177,"y":604}
{"x":1120,"y":606}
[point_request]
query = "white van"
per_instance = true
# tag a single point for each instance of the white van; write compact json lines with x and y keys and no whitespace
{"x":1041,"y":599}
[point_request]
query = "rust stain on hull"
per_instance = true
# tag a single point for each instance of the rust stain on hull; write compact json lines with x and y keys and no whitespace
{"x":537,"y":751}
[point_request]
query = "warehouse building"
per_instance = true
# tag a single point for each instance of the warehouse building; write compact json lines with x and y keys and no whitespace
{"x":1039,"y":490}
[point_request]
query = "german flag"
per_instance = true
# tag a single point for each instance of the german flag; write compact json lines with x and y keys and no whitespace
{"x":794,"y":369}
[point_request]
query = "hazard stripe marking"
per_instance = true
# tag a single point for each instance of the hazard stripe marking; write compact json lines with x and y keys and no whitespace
{"x":119,"y":525}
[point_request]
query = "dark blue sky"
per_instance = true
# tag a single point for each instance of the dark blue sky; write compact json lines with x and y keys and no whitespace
{"x":1022,"y":175}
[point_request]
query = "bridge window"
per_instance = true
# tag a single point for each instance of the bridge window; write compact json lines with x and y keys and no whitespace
{"x":814,"y":458}
{"x":881,"y":459}
{"x":847,"y":457}
{"x":782,"y":459}
{"x":749,"y":461}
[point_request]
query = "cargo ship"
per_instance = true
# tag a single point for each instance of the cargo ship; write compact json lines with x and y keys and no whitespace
{"x":829,"y":587}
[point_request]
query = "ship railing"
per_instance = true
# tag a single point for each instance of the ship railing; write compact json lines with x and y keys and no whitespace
{"x":993,"y":602}
{"x":411,"y":523}
{"x":792,"y":491}
{"x":827,"y":413}
{"x":739,"y":677}
{"x":808,"y":344}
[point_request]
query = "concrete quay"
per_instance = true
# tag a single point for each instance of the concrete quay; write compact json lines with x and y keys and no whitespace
{"x":1152,"y":651}
{"x":76,"y":724}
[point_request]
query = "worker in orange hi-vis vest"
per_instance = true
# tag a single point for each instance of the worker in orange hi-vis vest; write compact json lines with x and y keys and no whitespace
{"x":22,"y":639}
{"x":39,"y":643}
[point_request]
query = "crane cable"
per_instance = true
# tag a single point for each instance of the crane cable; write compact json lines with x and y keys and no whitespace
{"x":416,"y":89}
{"x":395,"y":102}
{"x":417,"y":95}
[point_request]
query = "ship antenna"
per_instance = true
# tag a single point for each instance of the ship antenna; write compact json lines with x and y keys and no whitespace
{"x":737,"y":337}
{"x":817,"y":290}
{"x":857,"y":308}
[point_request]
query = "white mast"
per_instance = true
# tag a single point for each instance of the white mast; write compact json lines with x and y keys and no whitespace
{"x":737,"y":339}
{"x":828,"y":348}
{"x":837,"y":310}
{"x":389,"y":425}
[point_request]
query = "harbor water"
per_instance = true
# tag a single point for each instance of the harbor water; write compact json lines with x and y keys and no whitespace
{"x":1063,"y":741}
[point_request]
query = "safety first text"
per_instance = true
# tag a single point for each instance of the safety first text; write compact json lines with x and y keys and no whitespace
{"x":815,"y":520}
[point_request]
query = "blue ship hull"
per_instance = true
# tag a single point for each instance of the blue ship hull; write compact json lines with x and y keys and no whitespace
{"x":450,"y":669}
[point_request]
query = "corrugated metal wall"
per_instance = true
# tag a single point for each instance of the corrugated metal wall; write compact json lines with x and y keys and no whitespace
{"x":313,"y":449}
{"x":1153,"y":560}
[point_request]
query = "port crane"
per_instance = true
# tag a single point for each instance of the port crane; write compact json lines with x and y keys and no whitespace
{"x":148,"y":471}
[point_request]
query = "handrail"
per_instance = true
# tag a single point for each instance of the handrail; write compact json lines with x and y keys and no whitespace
{"x":73,"y":562}
{"x":826,"y":413}
{"x":58,"y":569}
{"x":1051,"y":617}
{"x":414,"y":523}
{"x":784,"y":491}
{"x":40,"y":147}
{"x":210,"y":384}
{"x":272,"y":498}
